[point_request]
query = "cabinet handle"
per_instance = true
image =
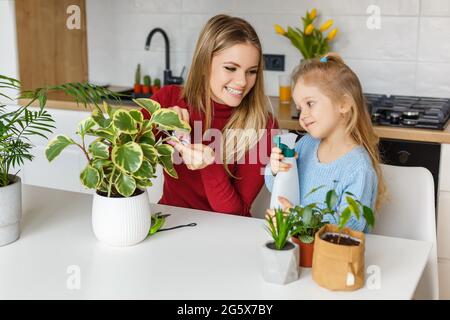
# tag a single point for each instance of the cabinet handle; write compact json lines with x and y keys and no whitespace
{"x":403,"y":156}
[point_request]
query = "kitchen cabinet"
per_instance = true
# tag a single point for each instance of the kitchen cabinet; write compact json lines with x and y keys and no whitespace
{"x":51,"y":50}
{"x":444,"y":183}
{"x":443,"y":232}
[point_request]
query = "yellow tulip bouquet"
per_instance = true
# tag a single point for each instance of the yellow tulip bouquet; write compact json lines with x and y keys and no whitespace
{"x":311,"y":42}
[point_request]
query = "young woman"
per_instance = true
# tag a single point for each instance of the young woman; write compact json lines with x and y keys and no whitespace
{"x":224,"y":93}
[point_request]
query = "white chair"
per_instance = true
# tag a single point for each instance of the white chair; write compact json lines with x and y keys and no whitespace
{"x":409,"y":212}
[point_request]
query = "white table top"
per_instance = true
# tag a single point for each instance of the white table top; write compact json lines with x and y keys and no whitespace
{"x":217,"y":259}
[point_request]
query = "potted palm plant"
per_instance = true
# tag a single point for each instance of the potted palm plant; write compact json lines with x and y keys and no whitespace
{"x":121,"y":162}
{"x":338,"y":260}
{"x":280,"y":256}
{"x":16,"y":128}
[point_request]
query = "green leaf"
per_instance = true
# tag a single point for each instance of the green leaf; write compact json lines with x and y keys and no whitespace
{"x":353,"y":206}
{"x":164,"y":150}
{"x":124,"y":122}
{"x":125,"y":184}
{"x":137,"y":116}
{"x":145,"y":171}
{"x":99,"y":150}
{"x":306,"y":238}
{"x":143,"y":183}
{"x":147,"y":137}
{"x":331,"y":199}
{"x":148,"y":104}
{"x":108,"y":133}
{"x":99,"y":118}
{"x":165,"y":158}
{"x":157,"y":223}
{"x":169,"y":120}
{"x":345,"y":216}
{"x":306,"y":217}
{"x":85,"y":125}
{"x":128,"y":157}
{"x":90,"y":177}
{"x":314,"y":190}
{"x":99,"y":164}
{"x":368,"y":215}
{"x":56,"y":145}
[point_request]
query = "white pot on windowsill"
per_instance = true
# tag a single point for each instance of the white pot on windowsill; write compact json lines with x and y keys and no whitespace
{"x":121,"y":221}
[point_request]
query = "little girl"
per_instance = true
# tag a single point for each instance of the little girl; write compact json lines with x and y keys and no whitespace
{"x":340,"y":149}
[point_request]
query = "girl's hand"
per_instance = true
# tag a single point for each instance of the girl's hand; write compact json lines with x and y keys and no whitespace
{"x":285,"y":205}
{"x":195,"y":156}
{"x":276,"y":165}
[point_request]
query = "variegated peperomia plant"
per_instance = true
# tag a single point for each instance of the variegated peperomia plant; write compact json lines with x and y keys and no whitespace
{"x":126,"y":152}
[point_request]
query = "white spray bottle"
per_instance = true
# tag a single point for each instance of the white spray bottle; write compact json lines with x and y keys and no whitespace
{"x":286,"y":183}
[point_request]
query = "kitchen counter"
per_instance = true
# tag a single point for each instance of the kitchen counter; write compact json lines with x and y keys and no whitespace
{"x":284,"y":113}
{"x":58,"y":257}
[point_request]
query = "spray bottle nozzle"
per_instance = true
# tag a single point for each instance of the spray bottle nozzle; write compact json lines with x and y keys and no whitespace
{"x":285,"y":150}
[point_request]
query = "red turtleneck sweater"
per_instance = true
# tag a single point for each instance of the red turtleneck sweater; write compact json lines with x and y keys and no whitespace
{"x":211,"y":188}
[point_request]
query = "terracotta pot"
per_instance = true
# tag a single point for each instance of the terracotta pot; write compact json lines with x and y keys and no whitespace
{"x":145,"y":89}
{"x":137,"y":88}
{"x":306,"y":252}
{"x":155,"y":89}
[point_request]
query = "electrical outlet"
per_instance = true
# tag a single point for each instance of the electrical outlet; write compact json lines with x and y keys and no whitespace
{"x":274,"y":62}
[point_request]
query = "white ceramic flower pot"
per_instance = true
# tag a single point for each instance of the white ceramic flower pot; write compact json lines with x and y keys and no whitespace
{"x":121,"y":221}
{"x":10,"y":211}
{"x":280,"y":266}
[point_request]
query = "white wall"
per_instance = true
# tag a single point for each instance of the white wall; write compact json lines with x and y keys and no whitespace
{"x":410,"y":54}
{"x":8,"y":51}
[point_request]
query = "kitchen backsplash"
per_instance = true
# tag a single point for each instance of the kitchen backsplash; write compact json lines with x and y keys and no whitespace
{"x":409,"y":54}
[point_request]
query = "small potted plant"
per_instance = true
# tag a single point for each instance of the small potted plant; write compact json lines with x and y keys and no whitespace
{"x":280,"y":256}
{"x":120,"y":165}
{"x":156,"y":85}
{"x":137,"y":80}
{"x":308,"y":220}
{"x":146,"y":88}
{"x":338,"y":260}
{"x":16,"y":129}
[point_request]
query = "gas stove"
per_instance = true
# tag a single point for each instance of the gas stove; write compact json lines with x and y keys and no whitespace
{"x":407,"y":111}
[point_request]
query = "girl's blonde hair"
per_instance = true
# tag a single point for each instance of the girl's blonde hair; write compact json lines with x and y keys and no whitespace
{"x":336,"y":80}
{"x":219,"y":33}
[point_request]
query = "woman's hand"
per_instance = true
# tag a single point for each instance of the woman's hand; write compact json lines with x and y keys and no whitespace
{"x":276,"y":164}
{"x":195,"y":156}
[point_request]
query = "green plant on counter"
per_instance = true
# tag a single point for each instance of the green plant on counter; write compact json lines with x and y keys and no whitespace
{"x":157,"y":82}
{"x":125,"y":153}
{"x":137,"y":74}
{"x":17,"y":126}
{"x":147,"y":80}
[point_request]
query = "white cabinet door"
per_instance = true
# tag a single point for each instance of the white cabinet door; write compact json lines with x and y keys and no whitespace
{"x":444,"y":279}
{"x":443,"y":232}
{"x":444,"y":171}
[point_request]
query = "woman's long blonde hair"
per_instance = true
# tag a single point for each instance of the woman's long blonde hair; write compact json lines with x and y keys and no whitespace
{"x":335,"y":79}
{"x":219,"y":33}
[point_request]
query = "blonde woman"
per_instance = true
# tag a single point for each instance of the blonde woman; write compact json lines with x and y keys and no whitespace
{"x":223,"y":98}
{"x":340,"y":150}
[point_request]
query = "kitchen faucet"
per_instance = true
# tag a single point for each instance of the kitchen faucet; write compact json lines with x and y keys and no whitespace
{"x":168,"y":78}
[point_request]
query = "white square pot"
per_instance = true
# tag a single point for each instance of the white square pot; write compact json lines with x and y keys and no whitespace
{"x":280,"y":266}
